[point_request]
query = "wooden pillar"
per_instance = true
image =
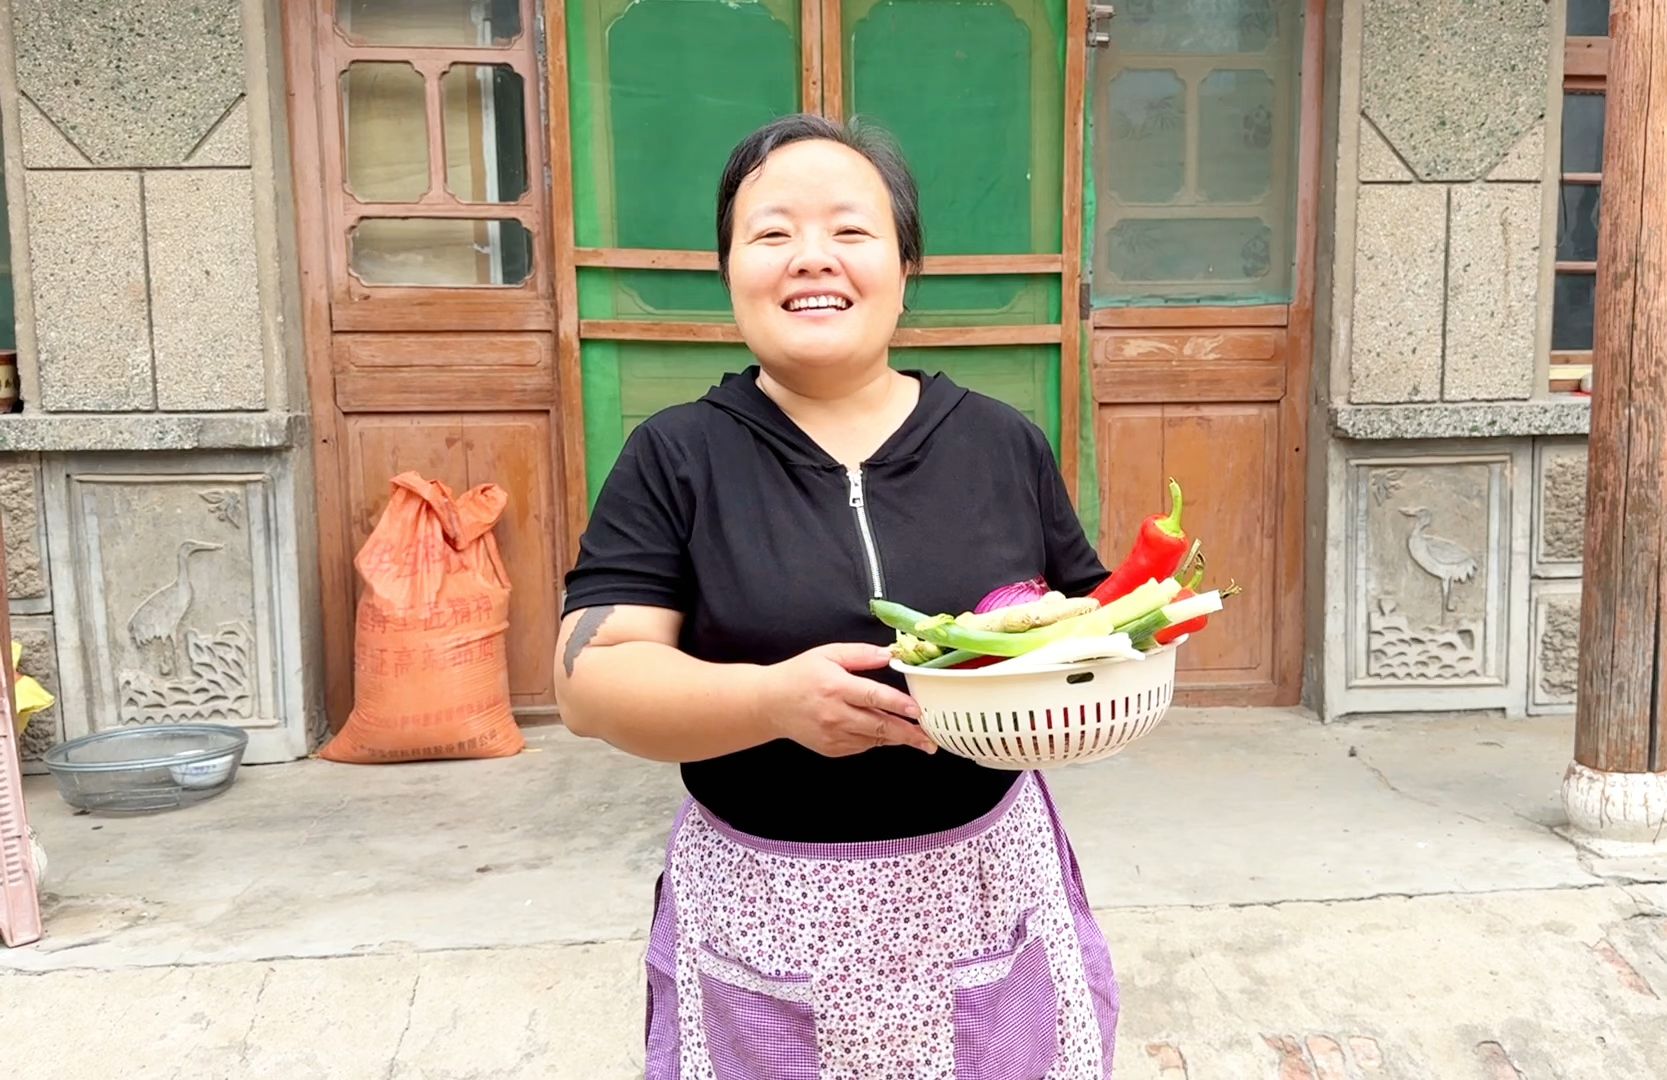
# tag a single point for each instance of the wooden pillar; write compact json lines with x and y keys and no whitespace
{"x":1616,"y":789}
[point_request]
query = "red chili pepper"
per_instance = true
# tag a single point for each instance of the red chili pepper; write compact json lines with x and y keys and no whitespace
{"x":1157,"y":551}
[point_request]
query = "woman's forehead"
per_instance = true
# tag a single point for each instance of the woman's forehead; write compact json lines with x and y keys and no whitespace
{"x":813,"y":176}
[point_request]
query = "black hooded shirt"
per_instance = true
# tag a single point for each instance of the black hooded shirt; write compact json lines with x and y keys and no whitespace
{"x":726,"y":511}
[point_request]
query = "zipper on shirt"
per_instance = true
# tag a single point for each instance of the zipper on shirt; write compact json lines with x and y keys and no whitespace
{"x":870,"y":552}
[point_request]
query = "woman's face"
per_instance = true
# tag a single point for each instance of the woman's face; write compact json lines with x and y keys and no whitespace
{"x":814,"y":273}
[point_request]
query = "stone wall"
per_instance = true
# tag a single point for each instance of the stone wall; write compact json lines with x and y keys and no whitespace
{"x":155,"y":544}
{"x":1559,"y":532}
{"x":1451,"y":159}
{"x":1454,"y":482}
{"x":28,"y":587}
{"x":139,"y":206}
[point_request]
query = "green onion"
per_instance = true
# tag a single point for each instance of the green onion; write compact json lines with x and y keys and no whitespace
{"x":951,"y":635}
{"x":1141,"y":630}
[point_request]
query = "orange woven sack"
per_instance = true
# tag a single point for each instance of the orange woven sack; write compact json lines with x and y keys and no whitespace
{"x":430,"y":664}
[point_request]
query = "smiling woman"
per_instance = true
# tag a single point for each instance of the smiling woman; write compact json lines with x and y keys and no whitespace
{"x":818,"y":232}
{"x":718,"y":617}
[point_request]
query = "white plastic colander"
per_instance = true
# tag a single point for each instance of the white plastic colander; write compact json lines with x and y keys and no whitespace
{"x":1061,"y":714}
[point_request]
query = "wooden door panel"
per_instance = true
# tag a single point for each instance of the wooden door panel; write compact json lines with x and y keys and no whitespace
{"x":1225,"y":458}
{"x":1199,"y":365}
{"x":512,"y":451}
{"x":508,"y":449}
{"x":380,"y":448}
{"x":443,"y":372}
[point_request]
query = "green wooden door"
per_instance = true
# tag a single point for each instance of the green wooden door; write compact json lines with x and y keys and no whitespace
{"x":974,"y":91}
{"x":660,"y":90}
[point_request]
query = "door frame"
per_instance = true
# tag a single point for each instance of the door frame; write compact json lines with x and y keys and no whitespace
{"x":364,"y":348}
{"x":1288,"y":382}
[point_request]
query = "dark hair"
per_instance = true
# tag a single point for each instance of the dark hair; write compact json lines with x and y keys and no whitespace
{"x":869,"y":141}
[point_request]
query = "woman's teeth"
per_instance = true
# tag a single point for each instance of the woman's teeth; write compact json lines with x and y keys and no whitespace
{"x":809,"y":303}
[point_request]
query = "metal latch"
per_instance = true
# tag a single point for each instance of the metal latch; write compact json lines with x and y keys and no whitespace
{"x":1098,"y":16}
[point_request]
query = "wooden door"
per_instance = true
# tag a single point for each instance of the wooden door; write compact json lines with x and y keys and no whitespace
{"x":430,"y":293}
{"x":661,"y":90}
{"x":1204,"y":166}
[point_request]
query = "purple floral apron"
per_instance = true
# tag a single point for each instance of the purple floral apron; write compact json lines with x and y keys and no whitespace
{"x":964,"y":955}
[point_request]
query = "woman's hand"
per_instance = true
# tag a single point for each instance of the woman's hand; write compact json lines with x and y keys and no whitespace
{"x":815,"y":700}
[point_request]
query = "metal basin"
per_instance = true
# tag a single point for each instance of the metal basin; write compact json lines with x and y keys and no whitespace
{"x":144,"y":769}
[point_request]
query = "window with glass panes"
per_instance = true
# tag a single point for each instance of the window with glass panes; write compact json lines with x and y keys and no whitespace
{"x":1585,"y":67}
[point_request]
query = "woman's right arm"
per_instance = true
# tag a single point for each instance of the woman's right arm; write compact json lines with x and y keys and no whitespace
{"x":620,"y":677}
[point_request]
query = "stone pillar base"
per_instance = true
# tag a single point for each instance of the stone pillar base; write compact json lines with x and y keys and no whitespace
{"x":1615,"y":813}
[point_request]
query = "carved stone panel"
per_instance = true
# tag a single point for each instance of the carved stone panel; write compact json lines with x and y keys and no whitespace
{"x":40,"y":662}
{"x":1559,"y":507}
{"x":182,"y":598}
{"x":24,"y":519}
{"x":1429,"y":571}
{"x":1554,"y":647}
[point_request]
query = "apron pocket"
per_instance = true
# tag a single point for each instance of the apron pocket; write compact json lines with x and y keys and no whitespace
{"x":1006,"y":1012}
{"x":758,"y":1027}
{"x":660,"y":1039}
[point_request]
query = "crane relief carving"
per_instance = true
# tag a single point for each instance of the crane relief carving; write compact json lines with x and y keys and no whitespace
{"x":185,"y":675}
{"x":1445,"y":560}
{"x":155,"y":624}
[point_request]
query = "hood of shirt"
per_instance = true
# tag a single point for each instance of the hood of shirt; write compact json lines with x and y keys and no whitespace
{"x":739,"y":395}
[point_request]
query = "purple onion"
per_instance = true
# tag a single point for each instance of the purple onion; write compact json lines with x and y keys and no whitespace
{"x":1020,"y":592}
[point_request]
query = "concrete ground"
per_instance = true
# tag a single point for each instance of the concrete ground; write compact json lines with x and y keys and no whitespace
{"x":1285,"y":900}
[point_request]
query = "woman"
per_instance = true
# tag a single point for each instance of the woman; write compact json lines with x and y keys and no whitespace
{"x":839,"y":899}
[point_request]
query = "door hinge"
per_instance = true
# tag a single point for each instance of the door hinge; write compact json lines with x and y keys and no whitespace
{"x":1098,"y":16}
{"x":1085,"y":303}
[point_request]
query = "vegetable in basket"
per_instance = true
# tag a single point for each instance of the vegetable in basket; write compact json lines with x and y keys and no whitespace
{"x":1176,"y":616}
{"x":1044,"y":611}
{"x":1023,"y":605}
{"x":1195,"y":624}
{"x":1156,"y":554}
{"x":1020,"y":592}
{"x":948,"y":632}
{"x":912,"y":650}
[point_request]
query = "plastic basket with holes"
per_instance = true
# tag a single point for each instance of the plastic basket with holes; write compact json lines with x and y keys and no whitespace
{"x":1060,"y":714}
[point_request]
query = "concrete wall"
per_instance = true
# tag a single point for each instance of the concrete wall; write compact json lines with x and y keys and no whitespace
{"x":1449,"y":506}
{"x":156,"y":491}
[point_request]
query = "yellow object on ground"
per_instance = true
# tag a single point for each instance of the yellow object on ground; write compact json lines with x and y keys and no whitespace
{"x":31,"y":695}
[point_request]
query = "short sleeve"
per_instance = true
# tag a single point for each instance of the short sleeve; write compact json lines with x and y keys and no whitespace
{"x":1073,"y":566}
{"x":635,"y":548}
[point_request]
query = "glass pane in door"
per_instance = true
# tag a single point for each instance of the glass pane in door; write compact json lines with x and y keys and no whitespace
{"x":1146,"y":118}
{"x":485,"y":132}
{"x":1588,"y":18}
{"x":440,"y":251}
{"x":384,"y":131}
{"x":466,"y":23}
{"x":1194,"y":110}
{"x":1212,"y":27}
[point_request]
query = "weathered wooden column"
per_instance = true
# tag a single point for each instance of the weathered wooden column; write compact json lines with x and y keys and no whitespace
{"x":1615,"y":791}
